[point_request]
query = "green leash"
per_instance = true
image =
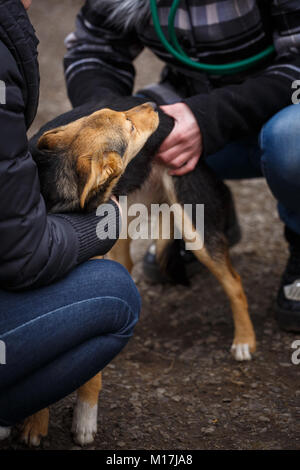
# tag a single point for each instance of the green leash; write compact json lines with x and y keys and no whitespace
{"x":176,"y":50}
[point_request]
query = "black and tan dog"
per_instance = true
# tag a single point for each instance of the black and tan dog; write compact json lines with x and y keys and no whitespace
{"x":87,"y":155}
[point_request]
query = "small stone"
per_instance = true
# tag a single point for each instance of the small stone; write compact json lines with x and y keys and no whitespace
{"x":263,"y":419}
{"x":240,"y":383}
{"x":208,"y":430}
{"x":275,"y":389}
{"x":176,"y":398}
{"x":121,"y":444}
{"x":263,"y":430}
{"x":211,"y":339}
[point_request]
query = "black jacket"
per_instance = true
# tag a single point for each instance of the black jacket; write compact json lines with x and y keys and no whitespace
{"x":111,"y":33}
{"x":35,"y":248}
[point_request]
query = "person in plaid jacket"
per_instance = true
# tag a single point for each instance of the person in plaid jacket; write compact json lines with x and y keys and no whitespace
{"x":244,"y":124}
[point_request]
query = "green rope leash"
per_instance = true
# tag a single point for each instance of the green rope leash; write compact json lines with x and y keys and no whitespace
{"x":176,"y":50}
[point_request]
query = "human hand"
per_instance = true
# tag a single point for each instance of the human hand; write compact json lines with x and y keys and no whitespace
{"x":182,"y":149}
{"x":26,"y":3}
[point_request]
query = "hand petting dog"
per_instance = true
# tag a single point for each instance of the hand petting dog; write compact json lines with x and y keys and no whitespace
{"x":183,"y":147}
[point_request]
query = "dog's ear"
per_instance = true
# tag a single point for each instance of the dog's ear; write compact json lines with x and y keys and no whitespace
{"x":96,"y":172}
{"x":52,"y":139}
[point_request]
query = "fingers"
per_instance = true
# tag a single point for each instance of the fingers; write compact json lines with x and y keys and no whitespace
{"x":180,"y":165}
{"x":189,"y":166}
{"x":181,"y":150}
{"x":173,"y":139}
{"x":169,"y":156}
{"x":176,"y":162}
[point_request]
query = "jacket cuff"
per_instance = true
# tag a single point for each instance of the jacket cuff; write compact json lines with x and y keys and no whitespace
{"x":198,"y":105}
{"x":96,"y":234}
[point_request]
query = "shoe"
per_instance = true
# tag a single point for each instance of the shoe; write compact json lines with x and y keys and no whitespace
{"x":4,"y":432}
{"x":288,"y":299}
{"x":152,"y":270}
{"x":192,"y":266}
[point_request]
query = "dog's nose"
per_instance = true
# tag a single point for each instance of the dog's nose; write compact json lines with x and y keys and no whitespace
{"x":153,"y":105}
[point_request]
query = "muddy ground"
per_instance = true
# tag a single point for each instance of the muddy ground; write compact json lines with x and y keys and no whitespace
{"x":176,"y":386}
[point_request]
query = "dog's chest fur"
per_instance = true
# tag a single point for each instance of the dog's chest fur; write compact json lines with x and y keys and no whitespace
{"x":124,"y":14}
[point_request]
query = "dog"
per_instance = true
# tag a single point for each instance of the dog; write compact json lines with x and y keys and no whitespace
{"x":106,"y":149}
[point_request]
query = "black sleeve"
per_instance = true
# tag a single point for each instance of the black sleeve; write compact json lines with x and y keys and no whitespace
{"x":35,"y":249}
{"x":100,"y":57}
{"x":235,"y":111}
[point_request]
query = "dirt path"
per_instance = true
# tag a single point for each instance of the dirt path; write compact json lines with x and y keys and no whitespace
{"x":176,"y":386}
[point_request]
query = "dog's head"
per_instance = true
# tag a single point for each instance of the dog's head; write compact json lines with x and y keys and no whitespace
{"x":87,"y":157}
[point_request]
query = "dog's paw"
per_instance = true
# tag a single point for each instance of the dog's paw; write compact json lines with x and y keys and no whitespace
{"x":84,"y":426}
{"x":30,"y":438}
{"x":241,"y":351}
{"x":4,"y":432}
{"x":35,"y":428}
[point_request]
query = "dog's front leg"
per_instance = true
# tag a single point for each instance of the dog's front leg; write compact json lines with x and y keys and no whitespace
{"x":84,"y":426}
{"x":35,"y":427}
{"x":121,"y":253}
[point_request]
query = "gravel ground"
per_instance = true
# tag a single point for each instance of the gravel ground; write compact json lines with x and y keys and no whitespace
{"x":176,"y":386}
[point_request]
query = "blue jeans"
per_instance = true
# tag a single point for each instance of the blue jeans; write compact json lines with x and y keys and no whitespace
{"x":274,"y":155}
{"x":58,"y":337}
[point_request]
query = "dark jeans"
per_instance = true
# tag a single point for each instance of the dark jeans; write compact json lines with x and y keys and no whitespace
{"x":275,"y":154}
{"x":60,"y":336}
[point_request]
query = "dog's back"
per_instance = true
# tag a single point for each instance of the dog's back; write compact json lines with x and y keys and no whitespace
{"x":197,"y":187}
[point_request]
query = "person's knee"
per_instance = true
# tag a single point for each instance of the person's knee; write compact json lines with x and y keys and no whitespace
{"x":121,"y":287}
{"x":280,"y":143}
